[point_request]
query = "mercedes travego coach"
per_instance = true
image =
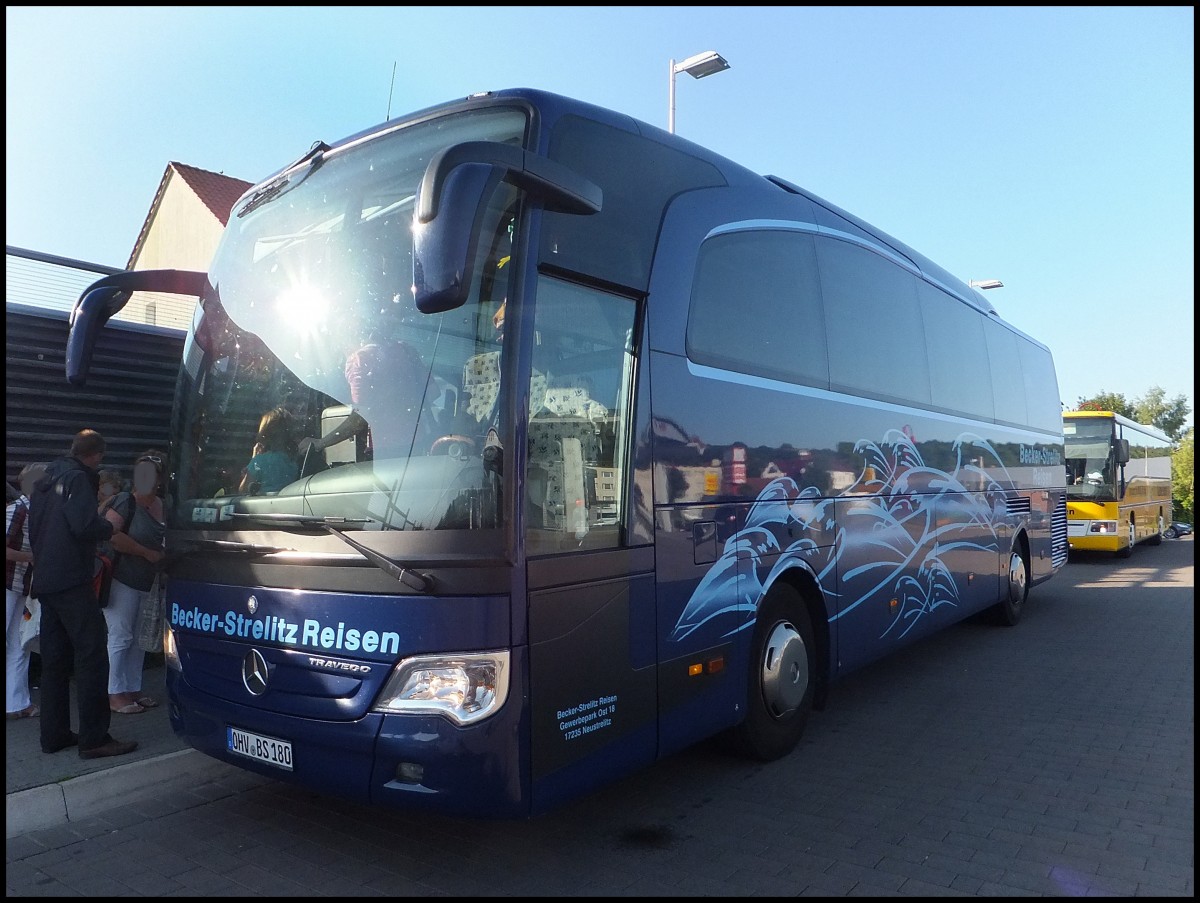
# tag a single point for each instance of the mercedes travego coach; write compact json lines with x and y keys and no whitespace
{"x":518,"y":444}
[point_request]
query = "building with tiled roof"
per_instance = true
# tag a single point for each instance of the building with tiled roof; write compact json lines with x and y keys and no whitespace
{"x":185,"y":221}
{"x":130,"y":391}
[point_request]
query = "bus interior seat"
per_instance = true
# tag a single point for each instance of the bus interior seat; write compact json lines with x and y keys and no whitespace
{"x":481,"y":384}
{"x":562,"y":450}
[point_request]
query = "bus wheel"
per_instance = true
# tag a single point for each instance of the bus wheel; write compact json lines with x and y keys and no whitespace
{"x":782,"y":673}
{"x":1008,"y":609}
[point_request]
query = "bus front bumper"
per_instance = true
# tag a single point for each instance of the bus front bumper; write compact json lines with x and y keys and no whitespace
{"x":418,"y":762}
{"x":1094,"y":535}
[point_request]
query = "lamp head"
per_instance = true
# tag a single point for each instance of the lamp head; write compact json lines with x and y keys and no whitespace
{"x":708,"y":63}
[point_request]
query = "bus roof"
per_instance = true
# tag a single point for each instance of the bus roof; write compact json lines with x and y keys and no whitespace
{"x":1124,"y":421}
{"x":551,"y":107}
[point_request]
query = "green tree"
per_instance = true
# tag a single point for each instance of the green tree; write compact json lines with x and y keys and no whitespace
{"x":1168,"y":416}
{"x":1152,"y":408}
{"x":1183,"y":478}
{"x":1106,"y":401}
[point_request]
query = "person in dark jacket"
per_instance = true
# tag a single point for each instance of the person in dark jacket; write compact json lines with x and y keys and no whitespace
{"x":64,"y":527}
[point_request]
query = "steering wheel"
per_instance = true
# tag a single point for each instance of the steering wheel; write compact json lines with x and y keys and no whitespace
{"x":454,"y":444}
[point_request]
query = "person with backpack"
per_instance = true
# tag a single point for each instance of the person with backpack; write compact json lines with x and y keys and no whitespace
{"x":64,"y":528}
{"x":139,"y":534}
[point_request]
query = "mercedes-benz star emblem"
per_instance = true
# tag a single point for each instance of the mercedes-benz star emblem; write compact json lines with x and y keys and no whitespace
{"x":252,"y":604}
{"x":254,"y":673}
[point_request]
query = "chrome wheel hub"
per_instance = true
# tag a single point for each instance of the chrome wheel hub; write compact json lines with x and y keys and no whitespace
{"x":784,"y":670}
{"x":1016,"y":579}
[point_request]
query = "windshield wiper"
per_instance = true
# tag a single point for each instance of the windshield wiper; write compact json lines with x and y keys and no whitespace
{"x":274,"y":189}
{"x":407,"y":576}
{"x":226,"y":545}
{"x":260,"y":197}
{"x":410,"y":578}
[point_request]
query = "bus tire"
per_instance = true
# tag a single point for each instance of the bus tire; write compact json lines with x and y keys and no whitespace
{"x":1007,"y":612}
{"x":783,"y":666}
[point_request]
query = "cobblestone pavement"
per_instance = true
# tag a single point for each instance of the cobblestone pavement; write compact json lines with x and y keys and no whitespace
{"x":1053,"y":759}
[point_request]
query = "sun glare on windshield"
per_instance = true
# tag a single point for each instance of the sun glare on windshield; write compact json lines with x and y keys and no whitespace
{"x":304,"y":306}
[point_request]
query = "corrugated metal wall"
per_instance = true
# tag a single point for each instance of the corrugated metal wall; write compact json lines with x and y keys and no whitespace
{"x":128,"y":396}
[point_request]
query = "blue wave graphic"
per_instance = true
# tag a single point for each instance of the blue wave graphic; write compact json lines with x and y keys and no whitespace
{"x":892,"y":524}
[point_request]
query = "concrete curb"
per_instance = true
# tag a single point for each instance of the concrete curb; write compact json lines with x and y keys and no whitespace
{"x":53,"y":805}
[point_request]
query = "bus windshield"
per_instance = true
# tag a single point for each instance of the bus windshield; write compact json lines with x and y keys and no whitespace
{"x":1089,"y":459}
{"x":311,"y":385}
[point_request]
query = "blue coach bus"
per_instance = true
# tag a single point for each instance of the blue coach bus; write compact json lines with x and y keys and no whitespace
{"x":518,"y":444}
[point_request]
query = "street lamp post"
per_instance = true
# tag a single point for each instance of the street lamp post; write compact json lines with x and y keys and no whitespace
{"x":985,"y":284}
{"x":698,"y":66}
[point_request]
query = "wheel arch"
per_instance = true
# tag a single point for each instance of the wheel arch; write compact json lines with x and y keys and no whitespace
{"x":1021,"y":544}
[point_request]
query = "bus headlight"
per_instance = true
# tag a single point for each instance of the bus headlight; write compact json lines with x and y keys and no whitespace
{"x":170,"y":653}
{"x":465,"y":688}
{"x":1103,"y":527}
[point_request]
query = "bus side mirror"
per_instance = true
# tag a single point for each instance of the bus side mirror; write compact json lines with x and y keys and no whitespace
{"x":105,"y":297}
{"x":1122,"y":451}
{"x":444,"y":248}
{"x":453,"y":195}
{"x":91,"y":312}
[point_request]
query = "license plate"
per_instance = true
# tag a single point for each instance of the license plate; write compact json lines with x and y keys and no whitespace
{"x":262,"y":749}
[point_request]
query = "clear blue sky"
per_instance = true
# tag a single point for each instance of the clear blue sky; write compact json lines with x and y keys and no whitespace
{"x":1050,"y":147}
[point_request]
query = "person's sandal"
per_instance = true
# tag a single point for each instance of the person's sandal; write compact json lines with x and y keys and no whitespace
{"x":148,"y":702}
{"x":30,"y":711}
{"x":132,"y":709}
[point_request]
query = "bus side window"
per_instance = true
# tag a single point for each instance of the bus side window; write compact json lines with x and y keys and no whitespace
{"x":578,"y":420}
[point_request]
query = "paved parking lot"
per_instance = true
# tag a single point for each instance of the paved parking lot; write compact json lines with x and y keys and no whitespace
{"x":1053,"y":759}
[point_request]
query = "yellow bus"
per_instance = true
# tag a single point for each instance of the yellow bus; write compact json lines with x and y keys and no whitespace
{"x":1118,"y":482}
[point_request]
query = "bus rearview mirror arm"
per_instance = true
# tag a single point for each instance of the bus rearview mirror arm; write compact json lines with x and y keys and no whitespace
{"x":105,"y":297}
{"x":452,"y":199}
{"x":562,"y":189}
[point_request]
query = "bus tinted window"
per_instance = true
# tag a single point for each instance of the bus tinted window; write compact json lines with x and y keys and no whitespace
{"x":756,"y":307}
{"x":1041,"y":384}
{"x":1008,"y":384}
{"x":1149,"y":455}
{"x":876,"y":336}
{"x":638,"y":176}
{"x":959,"y":379}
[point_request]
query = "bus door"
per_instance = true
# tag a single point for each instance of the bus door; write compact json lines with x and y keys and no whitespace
{"x":592,"y":695}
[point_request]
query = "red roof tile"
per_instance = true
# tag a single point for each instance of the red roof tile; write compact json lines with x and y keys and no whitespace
{"x":217,"y":191}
